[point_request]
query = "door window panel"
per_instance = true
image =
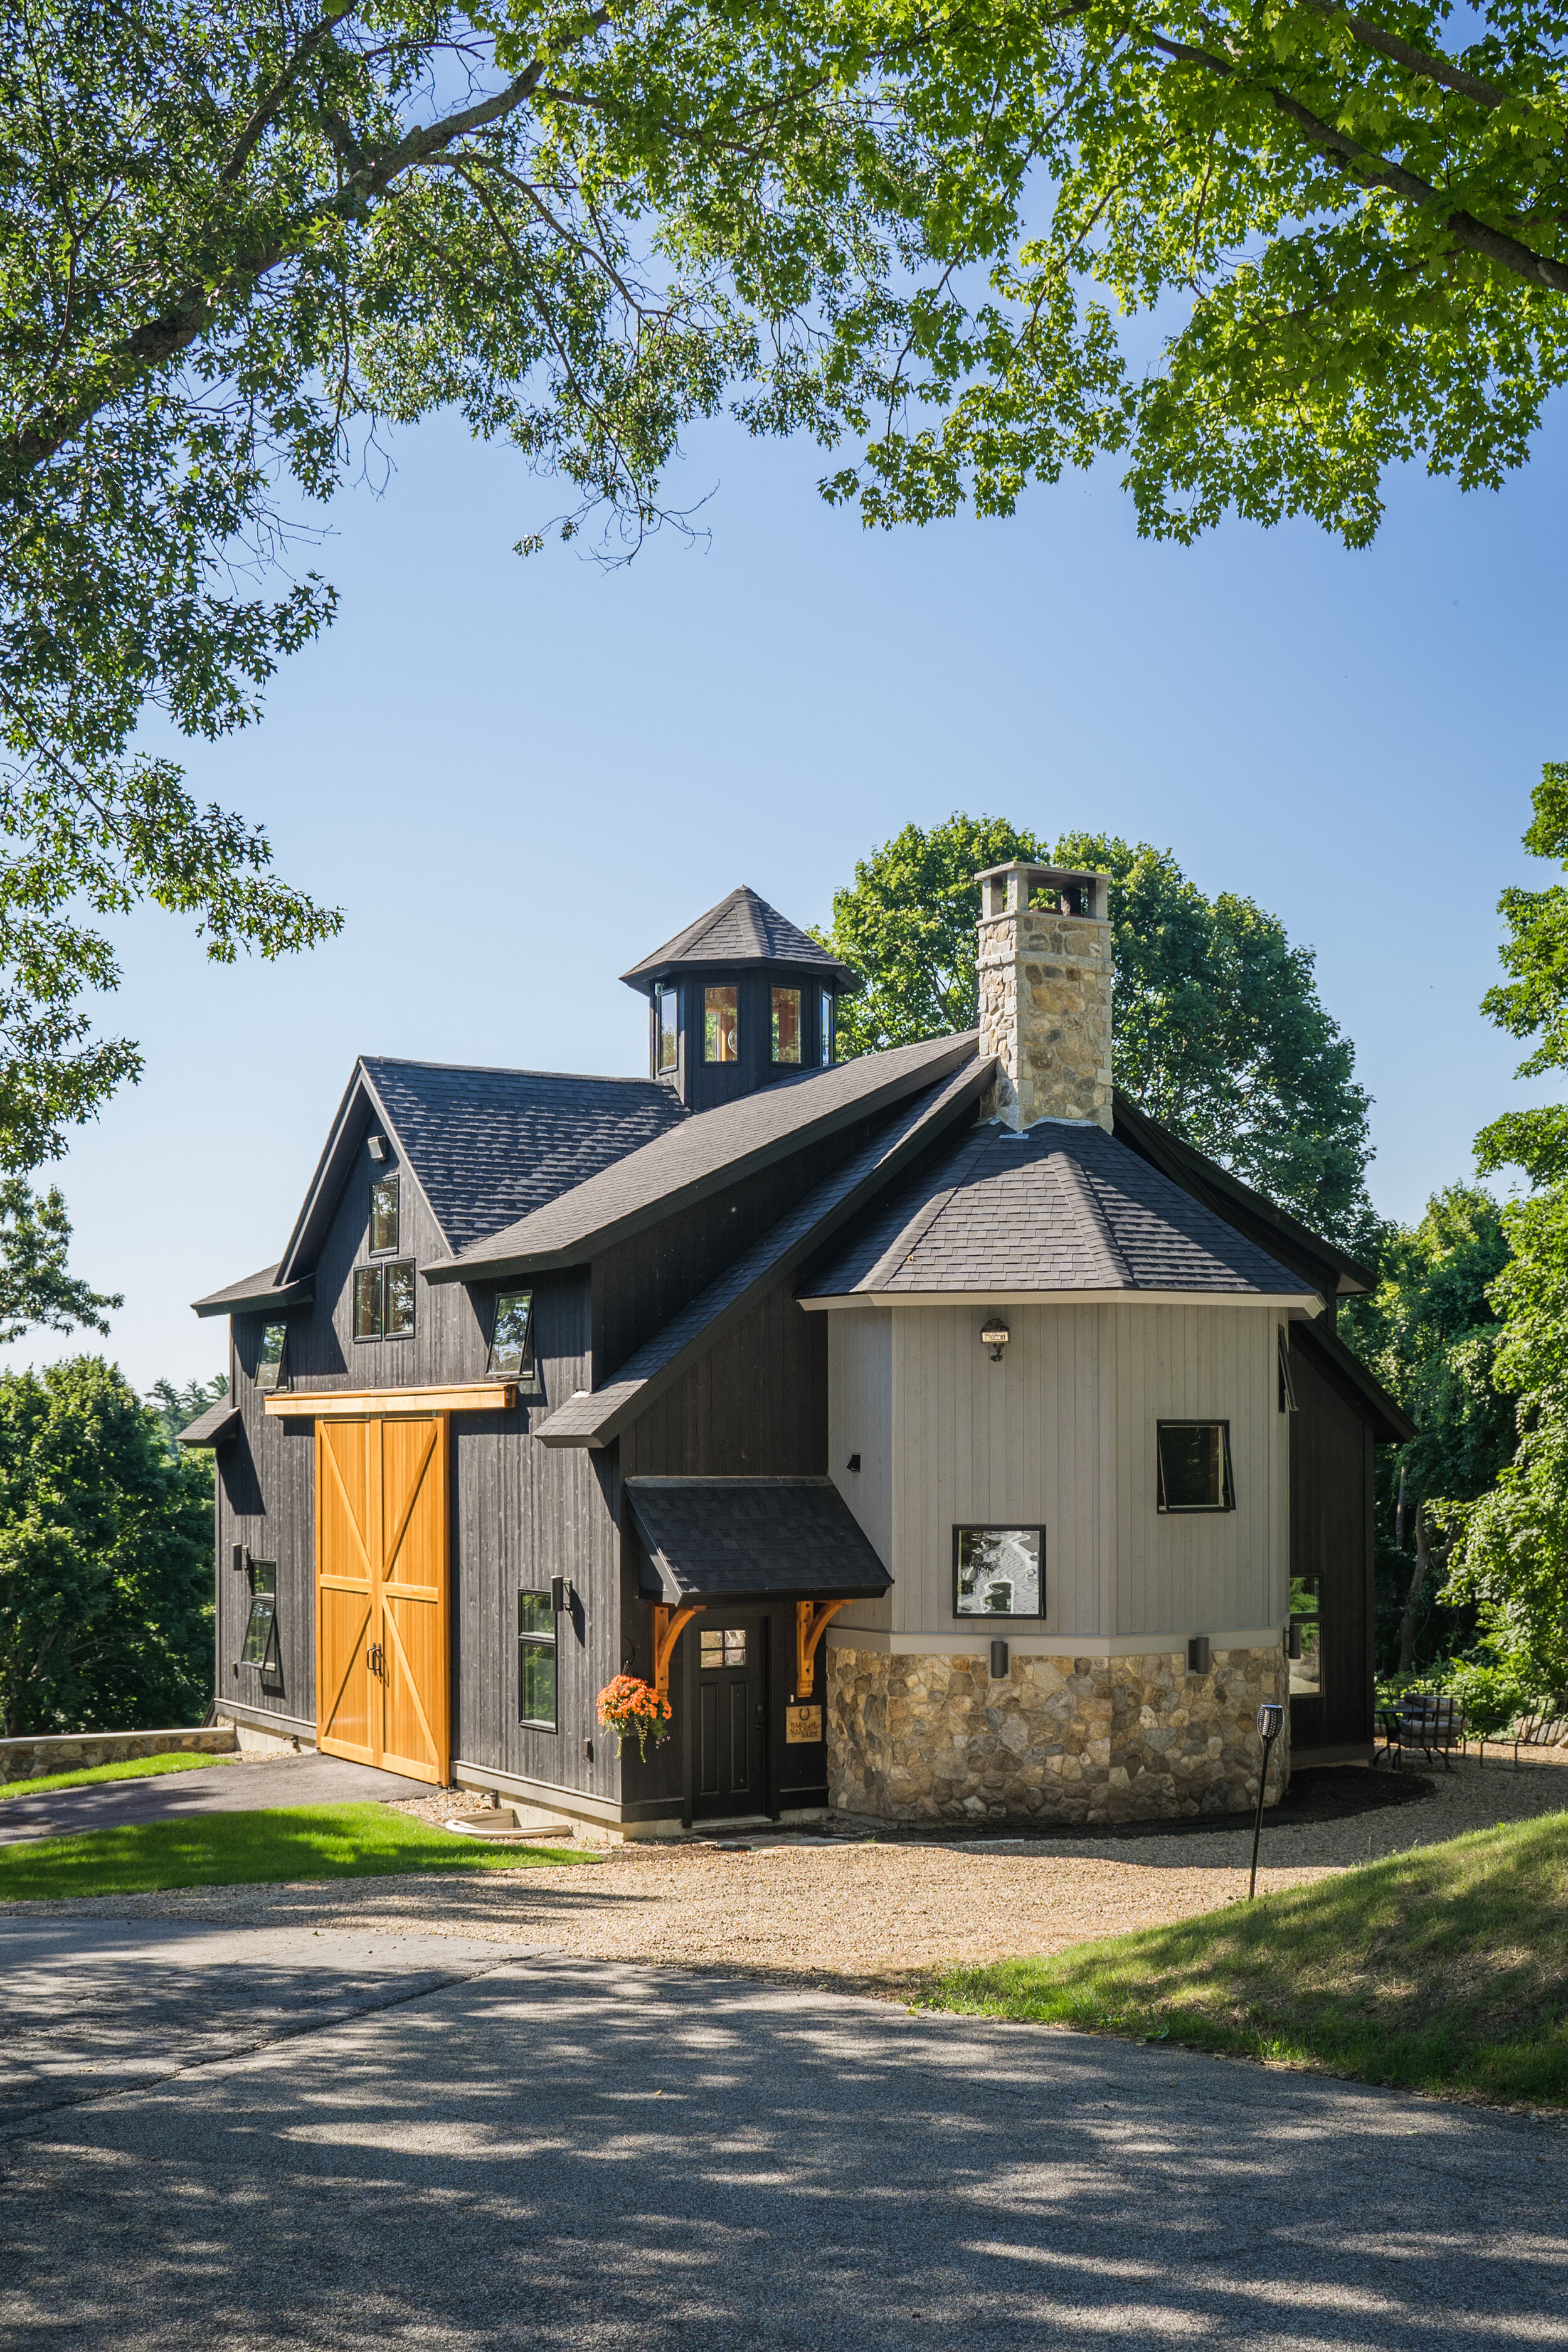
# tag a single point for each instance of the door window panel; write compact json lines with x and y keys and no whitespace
{"x":722,"y":1648}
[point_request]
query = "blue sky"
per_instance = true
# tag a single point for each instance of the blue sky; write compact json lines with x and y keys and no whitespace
{"x":518,"y":776}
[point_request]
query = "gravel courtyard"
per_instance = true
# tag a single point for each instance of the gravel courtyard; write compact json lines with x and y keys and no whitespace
{"x":853,"y":1912}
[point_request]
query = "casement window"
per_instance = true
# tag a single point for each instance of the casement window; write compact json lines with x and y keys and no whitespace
{"x":1194,"y":1466}
{"x":384,"y":1300}
{"x":721,"y":1024}
{"x":511,"y":1338}
{"x":1287,"y":1385}
{"x":269,"y":1362}
{"x":667,"y":1028}
{"x":998,"y":1571}
{"x":536,"y":1660}
{"x":826,"y":1041}
{"x":260,"y":1644}
{"x":383,"y":1216}
{"x":787,"y":1025}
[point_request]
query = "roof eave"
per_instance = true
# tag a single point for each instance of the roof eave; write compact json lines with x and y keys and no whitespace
{"x":1296,"y":1303}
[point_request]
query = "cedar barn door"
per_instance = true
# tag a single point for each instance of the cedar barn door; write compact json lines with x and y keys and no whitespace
{"x":731,"y":1716}
{"x":382,"y":1673}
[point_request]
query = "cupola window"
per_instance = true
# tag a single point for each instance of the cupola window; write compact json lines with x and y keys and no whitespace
{"x":787,"y":1025}
{"x":384,"y":1217}
{"x":667,"y":1020}
{"x":827,"y":1037}
{"x":721,"y":1024}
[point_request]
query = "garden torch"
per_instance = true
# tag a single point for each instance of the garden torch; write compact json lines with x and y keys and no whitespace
{"x":1270,"y":1724}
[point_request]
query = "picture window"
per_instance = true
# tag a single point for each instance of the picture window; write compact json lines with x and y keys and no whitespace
{"x":536,"y":1696}
{"x":787,"y":1025}
{"x":1194,"y":1466}
{"x":998,"y":1571}
{"x":511,"y":1339}
{"x":384,"y":1215}
{"x":721,"y":1024}
{"x":269,"y":1362}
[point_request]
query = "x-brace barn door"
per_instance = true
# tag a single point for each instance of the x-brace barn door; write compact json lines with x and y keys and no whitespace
{"x":382,"y":1627}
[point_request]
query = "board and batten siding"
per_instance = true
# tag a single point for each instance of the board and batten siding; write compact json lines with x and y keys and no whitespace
{"x":1205,"y":1572}
{"x":1060,"y":1432}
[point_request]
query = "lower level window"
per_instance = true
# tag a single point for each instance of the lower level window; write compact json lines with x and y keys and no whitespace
{"x":260,"y":1645}
{"x":998,"y":1571}
{"x":536,"y":1660}
{"x":1194,"y":1466}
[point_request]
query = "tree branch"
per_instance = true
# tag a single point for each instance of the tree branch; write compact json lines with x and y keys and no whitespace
{"x":1417,"y":61}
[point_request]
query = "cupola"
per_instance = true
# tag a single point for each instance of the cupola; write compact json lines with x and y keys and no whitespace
{"x":738,"y":1000}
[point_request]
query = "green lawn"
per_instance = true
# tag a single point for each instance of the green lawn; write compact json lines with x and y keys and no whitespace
{"x":133,"y":1767}
{"x":1444,"y":1969}
{"x":249,"y":1849}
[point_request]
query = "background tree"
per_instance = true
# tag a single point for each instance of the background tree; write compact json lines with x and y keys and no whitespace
{"x":235,"y":244}
{"x":105,"y":1558}
{"x":1430,"y":1333}
{"x":1220,"y":1033}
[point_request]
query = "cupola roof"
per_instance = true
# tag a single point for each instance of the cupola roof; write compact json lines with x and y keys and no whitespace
{"x":740,"y":929}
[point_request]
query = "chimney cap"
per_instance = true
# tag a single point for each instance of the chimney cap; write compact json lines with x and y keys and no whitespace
{"x":1094,"y":883}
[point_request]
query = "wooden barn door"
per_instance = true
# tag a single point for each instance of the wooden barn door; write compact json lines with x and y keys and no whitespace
{"x":381,"y":1693}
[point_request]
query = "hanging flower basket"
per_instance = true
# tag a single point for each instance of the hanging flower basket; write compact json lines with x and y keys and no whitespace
{"x":632,"y":1708}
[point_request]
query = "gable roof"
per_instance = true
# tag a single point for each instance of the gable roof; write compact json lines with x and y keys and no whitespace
{"x":741,"y":929}
{"x":484,"y":1146}
{"x":754,"y":1539}
{"x":1329,"y":1269}
{"x":702,"y":1156}
{"x":602,"y":1413}
{"x":1063,"y":1208}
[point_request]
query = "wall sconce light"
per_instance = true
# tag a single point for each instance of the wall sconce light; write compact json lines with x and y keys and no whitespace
{"x":998,"y":1662}
{"x":1198,"y":1654}
{"x":377,"y":1147}
{"x":561,"y":1595}
{"x":854,"y":1462}
{"x":994,"y":1335}
{"x":1293,"y":1645}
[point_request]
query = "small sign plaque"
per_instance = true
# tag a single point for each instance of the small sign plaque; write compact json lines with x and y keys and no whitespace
{"x":803,"y":1726}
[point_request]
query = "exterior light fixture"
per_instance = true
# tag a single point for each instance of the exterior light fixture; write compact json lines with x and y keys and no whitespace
{"x":1270,"y":1724}
{"x":994,"y":1335}
{"x":378,"y":1147}
{"x":998,"y":1662}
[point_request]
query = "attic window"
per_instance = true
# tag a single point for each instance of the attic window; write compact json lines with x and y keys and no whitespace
{"x":667,"y":1028}
{"x":512,"y":1340}
{"x":787,"y":1025}
{"x":720,"y":1025}
{"x":269,"y":1363}
{"x":384,"y":1217}
{"x":1194,"y":1466}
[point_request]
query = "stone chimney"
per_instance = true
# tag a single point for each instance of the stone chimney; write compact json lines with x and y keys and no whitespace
{"x":1046,"y":975}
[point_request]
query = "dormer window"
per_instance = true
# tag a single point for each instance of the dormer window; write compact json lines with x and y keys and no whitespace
{"x":667,"y":1028}
{"x":269,"y":1362}
{"x":511,"y":1340}
{"x":384,"y":1215}
{"x":721,"y":1024}
{"x":787,"y":1025}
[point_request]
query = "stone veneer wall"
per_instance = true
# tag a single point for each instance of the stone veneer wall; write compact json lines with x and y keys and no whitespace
{"x":1073,"y":1739}
{"x":74,"y":1751}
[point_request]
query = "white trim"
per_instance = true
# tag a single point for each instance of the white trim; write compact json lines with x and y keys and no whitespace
{"x":1302,"y":1303}
{"x":951,"y":1644}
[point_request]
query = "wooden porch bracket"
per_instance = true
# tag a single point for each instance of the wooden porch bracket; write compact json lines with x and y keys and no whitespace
{"x":667,"y":1625}
{"x":812,"y":1619}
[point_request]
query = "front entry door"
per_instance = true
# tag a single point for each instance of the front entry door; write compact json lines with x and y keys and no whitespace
{"x":381,"y":1690}
{"x":732,"y":1716}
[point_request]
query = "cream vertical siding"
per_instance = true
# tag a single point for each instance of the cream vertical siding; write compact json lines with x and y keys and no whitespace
{"x":1203,"y":1572}
{"x":1019,"y":1443}
{"x":860,"y":1420}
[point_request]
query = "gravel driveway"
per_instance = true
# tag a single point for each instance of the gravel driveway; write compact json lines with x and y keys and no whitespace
{"x":840,"y":1911}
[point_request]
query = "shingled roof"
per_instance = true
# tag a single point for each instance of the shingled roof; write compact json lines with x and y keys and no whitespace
{"x":595,"y":1418}
{"x":1063,"y":1208}
{"x":707,"y":1153}
{"x":753,"y":1539}
{"x":741,"y":929}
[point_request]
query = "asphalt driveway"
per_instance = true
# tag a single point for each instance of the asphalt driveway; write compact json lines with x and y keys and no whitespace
{"x":477,"y":2149}
{"x":237,"y":1788}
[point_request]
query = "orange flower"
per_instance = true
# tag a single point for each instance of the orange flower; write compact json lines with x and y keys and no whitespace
{"x":629,"y":1705}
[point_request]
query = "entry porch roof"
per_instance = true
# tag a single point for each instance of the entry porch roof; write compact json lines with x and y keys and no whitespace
{"x":735,"y":1539}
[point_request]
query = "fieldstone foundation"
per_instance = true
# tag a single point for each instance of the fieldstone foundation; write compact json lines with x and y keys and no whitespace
{"x":1069,"y":1739}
